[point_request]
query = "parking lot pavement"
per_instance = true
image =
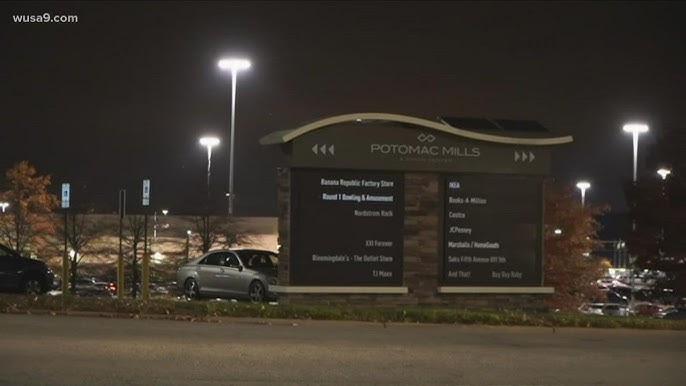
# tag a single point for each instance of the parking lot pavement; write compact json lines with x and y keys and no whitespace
{"x":102,"y":351}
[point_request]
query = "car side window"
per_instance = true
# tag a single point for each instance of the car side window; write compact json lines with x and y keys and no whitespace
{"x":274,"y":258}
{"x":261,"y":260}
{"x":232,"y":260}
{"x":254,"y":261}
{"x":213,"y":259}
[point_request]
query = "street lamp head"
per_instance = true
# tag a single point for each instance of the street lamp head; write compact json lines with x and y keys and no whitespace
{"x":188,"y":232}
{"x":583,"y":185}
{"x":4,"y":206}
{"x":209,"y":141}
{"x":165,"y":212}
{"x":635,"y":128}
{"x":234,"y":64}
{"x":664,"y":173}
{"x":558,"y":231}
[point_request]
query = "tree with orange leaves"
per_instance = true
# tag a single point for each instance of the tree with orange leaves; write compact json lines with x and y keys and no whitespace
{"x":27,"y":216}
{"x":568,"y":265}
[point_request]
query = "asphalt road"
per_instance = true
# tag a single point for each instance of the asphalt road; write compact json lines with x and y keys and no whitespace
{"x":68,"y":350}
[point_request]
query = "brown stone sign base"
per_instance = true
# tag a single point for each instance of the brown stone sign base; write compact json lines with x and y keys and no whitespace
{"x":469,"y":301}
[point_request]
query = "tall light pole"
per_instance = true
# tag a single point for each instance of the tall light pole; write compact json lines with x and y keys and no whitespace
{"x":154,"y":235}
{"x":188,"y":245}
{"x":583,"y":185}
{"x":209,"y":142}
{"x":635,"y":129}
{"x":234,"y":65}
{"x":663,"y":173}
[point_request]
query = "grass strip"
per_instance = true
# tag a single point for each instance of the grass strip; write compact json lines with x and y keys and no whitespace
{"x":206,"y":309}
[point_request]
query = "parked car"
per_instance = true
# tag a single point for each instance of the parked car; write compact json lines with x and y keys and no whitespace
{"x":230,"y":273}
{"x":22,"y":274}
{"x":623,"y":291}
{"x":611,"y":309}
{"x":679,"y":314}
{"x":646,"y":309}
{"x":609,"y":282}
{"x":614,"y":297}
{"x":157,"y":289}
{"x":592,"y":308}
{"x":664,"y":312}
{"x":606,"y":309}
{"x":93,"y":287}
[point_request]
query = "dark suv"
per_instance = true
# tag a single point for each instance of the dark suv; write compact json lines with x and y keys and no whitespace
{"x":22,"y":274}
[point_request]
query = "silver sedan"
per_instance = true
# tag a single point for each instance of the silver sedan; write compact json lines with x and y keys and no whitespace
{"x":229,"y":273}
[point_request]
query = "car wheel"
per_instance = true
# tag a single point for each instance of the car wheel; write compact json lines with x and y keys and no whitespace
{"x":191,"y":289}
{"x":32,"y":286}
{"x":256,"y":291}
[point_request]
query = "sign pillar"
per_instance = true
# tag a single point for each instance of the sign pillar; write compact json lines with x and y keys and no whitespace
{"x":65,"y":256}
{"x":145,"y":280}
{"x":120,"y":259}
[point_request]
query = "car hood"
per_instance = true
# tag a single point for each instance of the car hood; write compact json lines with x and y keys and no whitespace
{"x":32,"y":263}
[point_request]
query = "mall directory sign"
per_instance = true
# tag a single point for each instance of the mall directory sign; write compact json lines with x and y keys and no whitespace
{"x":346,"y":228}
{"x":492,"y":231}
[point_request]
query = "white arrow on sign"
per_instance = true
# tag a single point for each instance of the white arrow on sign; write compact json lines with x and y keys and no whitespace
{"x":322,"y":149}
{"x":524,"y":156}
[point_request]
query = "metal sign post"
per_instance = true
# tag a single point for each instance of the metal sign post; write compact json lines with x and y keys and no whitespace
{"x":65,"y":256}
{"x":120,"y":259}
{"x":145,"y":281}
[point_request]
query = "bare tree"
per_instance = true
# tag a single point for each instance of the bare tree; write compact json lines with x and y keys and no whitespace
{"x":208,"y":230}
{"x":233,"y":235}
{"x":81,"y":231}
{"x":217,"y":231}
{"x":136,"y":231}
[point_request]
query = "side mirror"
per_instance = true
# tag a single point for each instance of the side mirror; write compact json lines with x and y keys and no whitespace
{"x":240,"y":268}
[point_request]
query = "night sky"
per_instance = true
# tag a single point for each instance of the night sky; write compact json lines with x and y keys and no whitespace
{"x":125,"y":93}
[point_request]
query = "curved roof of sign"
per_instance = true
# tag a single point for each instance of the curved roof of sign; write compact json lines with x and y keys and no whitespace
{"x":285,"y":136}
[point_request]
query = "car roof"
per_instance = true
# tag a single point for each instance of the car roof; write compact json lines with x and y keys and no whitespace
{"x":197,"y":259}
{"x":251,"y":250}
{"x":239,"y":249}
